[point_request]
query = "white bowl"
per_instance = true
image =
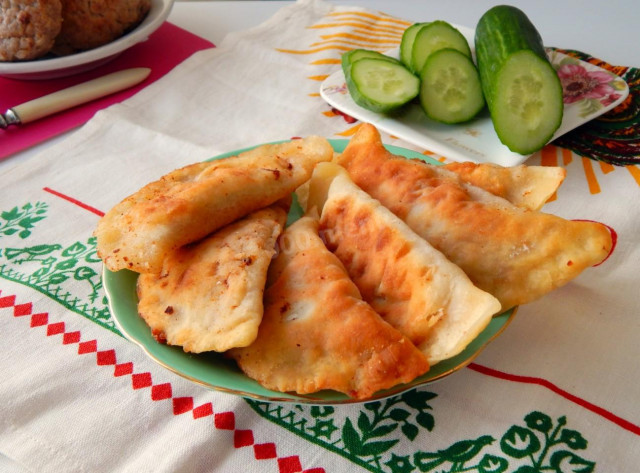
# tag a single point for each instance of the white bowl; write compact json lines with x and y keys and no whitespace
{"x":52,"y":67}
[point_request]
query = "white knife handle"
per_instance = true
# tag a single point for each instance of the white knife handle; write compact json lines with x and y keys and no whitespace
{"x":79,"y":94}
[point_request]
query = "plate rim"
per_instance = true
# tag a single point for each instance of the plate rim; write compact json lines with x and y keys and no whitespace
{"x":495,"y":327}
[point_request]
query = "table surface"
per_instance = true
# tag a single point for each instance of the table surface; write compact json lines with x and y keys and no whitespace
{"x":599,"y":28}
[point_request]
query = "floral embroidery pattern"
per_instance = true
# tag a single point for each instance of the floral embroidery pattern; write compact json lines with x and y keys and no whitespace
{"x":547,"y":448}
{"x":69,"y":274}
{"x":369,"y":436}
{"x":21,"y":220}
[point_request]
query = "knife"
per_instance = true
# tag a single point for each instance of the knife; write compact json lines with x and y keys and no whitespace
{"x":73,"y":96}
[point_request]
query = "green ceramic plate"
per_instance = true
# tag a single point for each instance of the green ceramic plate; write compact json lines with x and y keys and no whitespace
{"x":213,"y":371}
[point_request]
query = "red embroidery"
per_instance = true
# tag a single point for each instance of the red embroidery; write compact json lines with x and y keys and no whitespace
{"x":87,"y":347}
{"x":180,"y":405}
{"x":9,"y":301}
{"x":22,"y":309}
{"x":242,"y":438}
{"x":161,"y":391}
{"x":289,"y":465}
{"x":123,"y":369}
{"x":203,"y":410}
{"x":141,"y":380}
{"x":70,"y":337}
{"x":38,"y":320}
{"x":225,"y":421}
{"x":55,"y":329}
{"x":99,"y":213}
{"x":264,"y":451}
{"x":107,"y":357}
{"x":552,"y":387}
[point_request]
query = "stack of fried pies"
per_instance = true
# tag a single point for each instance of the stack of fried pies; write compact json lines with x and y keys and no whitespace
{"x":395,"y":265}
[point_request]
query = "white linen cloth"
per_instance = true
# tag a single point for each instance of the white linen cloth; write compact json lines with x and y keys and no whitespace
{"x":76,"y":397}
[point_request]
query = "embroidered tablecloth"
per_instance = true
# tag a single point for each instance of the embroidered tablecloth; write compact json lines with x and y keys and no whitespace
{"x":557,"y":391}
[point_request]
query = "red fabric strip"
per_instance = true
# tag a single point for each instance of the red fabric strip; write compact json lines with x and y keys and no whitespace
{"x":625,"y":424}
{"x":99,"y":213}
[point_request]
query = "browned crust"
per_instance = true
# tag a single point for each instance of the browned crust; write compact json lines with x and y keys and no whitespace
{"x":514,"y":254}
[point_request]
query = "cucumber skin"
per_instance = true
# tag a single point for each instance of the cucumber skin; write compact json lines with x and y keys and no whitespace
{"x":406,"y":44}
{"x":369,"y":104}
{"x":502,"y":31}
{"x":464,"y":44}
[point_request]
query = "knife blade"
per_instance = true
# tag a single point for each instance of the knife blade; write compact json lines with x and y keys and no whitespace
{"x":73,"y":96}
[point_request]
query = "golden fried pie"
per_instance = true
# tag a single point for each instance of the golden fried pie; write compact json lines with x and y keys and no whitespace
{"x":192,"y":202}
{"x":208,"y":296}
{"x":317,"y":333}
{"x":515,"y":254}
{"x":529,"y":187}
{"x":413,"y":286}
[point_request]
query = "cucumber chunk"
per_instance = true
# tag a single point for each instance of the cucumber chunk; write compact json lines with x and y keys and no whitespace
{"x":380,"y":85}
{"x":521,"y":87}
{"x":434,"y":36}
{"x":406,"y":44}
{"x":450,"y":90}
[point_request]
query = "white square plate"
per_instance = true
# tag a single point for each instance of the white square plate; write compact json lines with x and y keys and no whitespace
{"x":477,"y":140}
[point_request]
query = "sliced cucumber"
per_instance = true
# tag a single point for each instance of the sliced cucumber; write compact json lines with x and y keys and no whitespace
{"x":434,"y":36}
{"x":350,"y":57}
{"x":355,"y":54}
{"x":450,"y":89}
{"x":406,"y":45}
{"x":381,"y":85}
{"x":521,"y":87}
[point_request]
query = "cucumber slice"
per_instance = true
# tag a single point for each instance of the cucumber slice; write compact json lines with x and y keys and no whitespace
{"x":521,"y":87}
{"x":406,"y":44}
{"x":380,"y":85}
{"x":355,"y":54}
{"x":434,"y":36}
{"x":350,"y":57}
{"x":450,"y":89}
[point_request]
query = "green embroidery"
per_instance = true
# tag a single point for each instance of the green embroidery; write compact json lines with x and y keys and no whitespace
{"x":68,"y":274}
{"x":368,"y":438}
{"x":548,"y":448}
{"x":21,"y":220}
{"x":457,"y":455}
